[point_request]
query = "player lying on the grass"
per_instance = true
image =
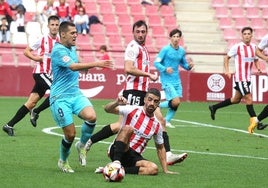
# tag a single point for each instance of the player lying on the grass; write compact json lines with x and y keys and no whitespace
{"x":139,"y":125}
{"x":138,"y":72}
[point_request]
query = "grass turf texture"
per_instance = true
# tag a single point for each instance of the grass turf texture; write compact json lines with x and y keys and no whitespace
{"x":220,"y":154}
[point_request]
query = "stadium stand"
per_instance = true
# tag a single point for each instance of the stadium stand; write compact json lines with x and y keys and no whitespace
{"x":250,"y":3}
{"x":264,"y":13}
{"x":19,"y":38}
{"x":237,"y":12}
{"x":240,"y":22}
{"x":121,"y":9}
{"x":218,"y":3}
{"x":225,"y":23}
{"x":252,"y":12}
{"x":233,"y":3}
{"x":258,"y":23}
{"x":262,"y":4}
{"x":167,"y":11}
{"x":6,"y":55}
{"x":124,"y":20}
{"x":221,"y":12}
{"x":209,"y":32}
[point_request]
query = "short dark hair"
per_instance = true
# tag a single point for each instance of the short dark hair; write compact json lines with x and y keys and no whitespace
{"x":103,"y":47}
{"x":64,"y":26}
{"x":155,"y":92}
{"x":53,"y":17}
{"x":246,"y":28}
{"x":139,"y":23}
{"x":175,"y":31}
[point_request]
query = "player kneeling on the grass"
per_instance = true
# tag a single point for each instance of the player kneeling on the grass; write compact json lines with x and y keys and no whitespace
{"x":139,"y":125}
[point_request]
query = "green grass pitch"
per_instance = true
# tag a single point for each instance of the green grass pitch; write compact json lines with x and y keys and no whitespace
{"x":220,"y":153}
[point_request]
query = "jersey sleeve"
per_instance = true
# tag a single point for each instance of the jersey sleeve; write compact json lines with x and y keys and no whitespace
{"x":125,"y":109}
{"x":36,"y":44}
{"x":131,"y":52}
{"x":184,"y":64}
{"x":159,"y":59}
{"x":233,"y":51}
{"x":158,"y":138}
{"x":264,"y":43}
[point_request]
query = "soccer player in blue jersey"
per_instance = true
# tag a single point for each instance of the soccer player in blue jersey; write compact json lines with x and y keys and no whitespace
{"x":66,"y":98}
{"x":167,"y":63}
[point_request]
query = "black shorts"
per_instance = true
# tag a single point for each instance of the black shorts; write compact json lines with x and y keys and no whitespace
{"x":129,"y":158}
{"x":243,"y":87}
{"x":42,"y":84}
{"x":134,"y":97}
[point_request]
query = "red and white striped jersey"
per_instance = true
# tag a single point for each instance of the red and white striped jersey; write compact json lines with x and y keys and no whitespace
{"x":145,"y":127}
{"x":264,"y":43}
{"x":44,"y":47}
{"x":244,"y":57}
{"x":139,"y":55}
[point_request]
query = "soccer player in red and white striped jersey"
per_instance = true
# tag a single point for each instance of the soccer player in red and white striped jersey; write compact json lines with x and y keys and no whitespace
{"x":41,"y":75}
{"x":244,"y":54}
{"x":137,"y":68}
{"x":139,"y":125}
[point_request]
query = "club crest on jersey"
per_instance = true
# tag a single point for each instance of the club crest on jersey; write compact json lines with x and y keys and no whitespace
{"x":65,"y":59}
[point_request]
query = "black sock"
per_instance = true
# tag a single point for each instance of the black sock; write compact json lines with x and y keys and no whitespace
{"x":250,"y":110}
{"x":43,"y":106}
{"x":119,"y":149}
{"x":166,"y":141}
{"x":132,"y":170}
{"x":22,"y":111}
{"x":67,"y":145}
{"x":105,"y":132}
{"x":222,"y":104}
{"x":263,"y":114}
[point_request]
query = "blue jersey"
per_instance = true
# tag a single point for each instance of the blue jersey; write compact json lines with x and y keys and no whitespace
{"x":65,"y":81}
{"x":171,"y":57}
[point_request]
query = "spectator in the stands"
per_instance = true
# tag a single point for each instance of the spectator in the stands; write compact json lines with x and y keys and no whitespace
{"x":19,"y":20}
{"x":81,"y":21}
{"x":147,"y":2}
{"x":4,"y":31}
{"x":104,"y":55}
{"x":165,"y":2}
{"x":75,"y":8}
{"x":5,"y":11}
{"x":48,"y":10}
{"x":63,"y":11}
{"x":14,"y":4}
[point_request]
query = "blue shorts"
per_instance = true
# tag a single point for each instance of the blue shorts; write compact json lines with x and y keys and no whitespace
{"x":172,"y":91}
{"x":63,"y":109}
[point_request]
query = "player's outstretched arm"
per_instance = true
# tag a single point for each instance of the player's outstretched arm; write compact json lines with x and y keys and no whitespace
{"x":161,"y":152}
{"x":83,"y":66}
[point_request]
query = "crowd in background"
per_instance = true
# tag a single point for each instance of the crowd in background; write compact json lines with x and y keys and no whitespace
{"x":12,"y":16}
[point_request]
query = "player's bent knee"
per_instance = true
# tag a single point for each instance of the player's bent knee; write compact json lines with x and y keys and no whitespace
{"x":115,"y":127}
{"x":153,"y":169}
{"x":127,"y":129}
{"x":172,"y":106}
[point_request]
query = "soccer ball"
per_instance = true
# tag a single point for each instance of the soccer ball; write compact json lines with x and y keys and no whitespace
{"x":113,"y":172}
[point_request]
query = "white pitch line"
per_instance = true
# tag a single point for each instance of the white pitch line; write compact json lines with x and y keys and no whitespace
{"x":49,"y":130}
{"x":218,"y":127}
